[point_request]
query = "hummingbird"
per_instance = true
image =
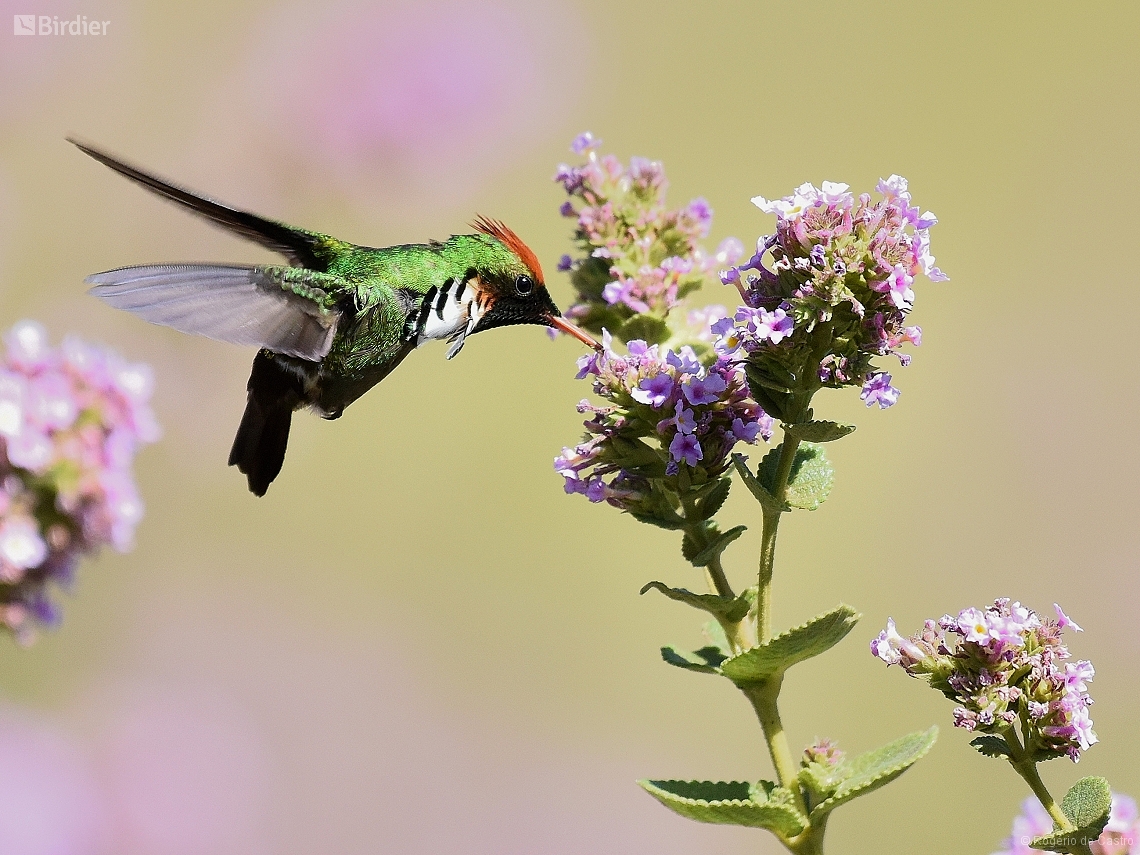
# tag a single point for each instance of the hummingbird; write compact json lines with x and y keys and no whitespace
{"x":337,"y":318}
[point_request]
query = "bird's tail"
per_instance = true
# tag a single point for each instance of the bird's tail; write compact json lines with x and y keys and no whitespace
{"x":259,"y":447}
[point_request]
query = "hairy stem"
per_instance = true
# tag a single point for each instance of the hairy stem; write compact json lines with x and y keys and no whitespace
{"x":768,"y":542}
{"x":718,"y":582}
{"x":1022,"y":763}
{"x":764,"y":697}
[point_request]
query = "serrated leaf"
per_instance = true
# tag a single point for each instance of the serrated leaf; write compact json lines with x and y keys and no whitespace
{"x":990,"y":746}
{"x":731,"y":803}
{"x":877,"y":768}
{"x":819,"y":431}
{"x":810,"y":480}
{"x":668,"y":524}
{"x":645,"y":327}
{"x":1087,"y":805}
{"x":820,"y":780}
{"x":714,"y":499}
{"x":773,"y":402}
{"x":732,"y":609}
{"x":1088,"y":802}
{"x":714,"y":549}
{"x":786,"y":649}
{"x":690,"y":548}
{"x":705,"y":660}
{"x":765,"y":380}
{"x":767,"y":500}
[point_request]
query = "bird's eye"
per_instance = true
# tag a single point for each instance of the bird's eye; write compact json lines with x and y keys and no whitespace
{"x":524,"y":285}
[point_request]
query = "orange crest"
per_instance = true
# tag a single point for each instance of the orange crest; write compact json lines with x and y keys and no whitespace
{"x":497,"y":229}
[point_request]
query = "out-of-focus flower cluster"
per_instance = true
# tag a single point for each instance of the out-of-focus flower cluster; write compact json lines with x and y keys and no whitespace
{"x":637,"y":257}
{"x":1120,"y":837}
{"x":1002,"y":664}
{"x":834,"y":295}
{"x":71,"y":420}
{"x":666,"y":433}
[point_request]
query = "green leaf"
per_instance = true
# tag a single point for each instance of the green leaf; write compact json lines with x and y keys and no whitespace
{"x":990,"y":746}
{"x":1087,"y":805}
{"x":669,"y":524}
{"x":772,"y":401}
{"x":690,"y":547}
{"x":809,"y":482}
{"x":786,"y":649}
{"x":729,"y":608}
{"x":731,"y":803}
{"x":715,"y":634}
{"x":705,"y":660}
{"x":875,"y":769}
{"x":646,"y":327}
{"x":714,"y":499}
{"x":714,"y":549}
{"x":819,"y":431}
{"x":767,"y":500}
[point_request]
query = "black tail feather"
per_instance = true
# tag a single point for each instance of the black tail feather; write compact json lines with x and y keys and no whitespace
{"x":259,"y":447}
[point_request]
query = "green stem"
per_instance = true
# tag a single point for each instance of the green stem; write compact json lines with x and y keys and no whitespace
{"x":1022,"y":762}
{"x":738,"y":634}
{"x":768,"y":540}
{"x":764,"y":697}
{"x":718,"y":582}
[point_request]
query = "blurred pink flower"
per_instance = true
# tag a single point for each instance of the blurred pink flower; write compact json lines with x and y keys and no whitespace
{"x":422,"y":102}
{"x":70,"y":422}
{"x":52,"y":804}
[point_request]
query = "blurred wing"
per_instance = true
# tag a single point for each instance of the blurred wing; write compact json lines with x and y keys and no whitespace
{"x":239,"y":305}
{"x":302,"y":248}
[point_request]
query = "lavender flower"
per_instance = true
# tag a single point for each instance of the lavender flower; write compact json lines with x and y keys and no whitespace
{"x":667,"y":430}
{"x":70,"y":422}
{"x":1002,"y":665}
{"x":834,"y":295}
{"x":637,"y":256}
{"x":1120,"y":837}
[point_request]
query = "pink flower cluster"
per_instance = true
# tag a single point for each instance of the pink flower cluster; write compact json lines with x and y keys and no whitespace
{"x":1120,"y":837}
{"x":638,"y":256}
{"x":1002,"y":664}
{"x":71,"y":420}
{"x":667,"y":414}
{"x":840,"y":264}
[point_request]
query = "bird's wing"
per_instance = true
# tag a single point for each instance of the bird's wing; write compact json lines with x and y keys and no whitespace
{"x":257,"y":306}
{"x":302,"y":248}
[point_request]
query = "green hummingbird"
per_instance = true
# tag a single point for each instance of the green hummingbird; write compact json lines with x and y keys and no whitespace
{"x":334,"y":321}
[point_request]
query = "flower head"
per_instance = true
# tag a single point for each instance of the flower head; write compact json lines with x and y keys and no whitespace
{"x":666,"y":429}
{"x":70,"y":422}
{"x":637,"y":257}
{"x":830,"y":290}
{"x":1002,"y":665}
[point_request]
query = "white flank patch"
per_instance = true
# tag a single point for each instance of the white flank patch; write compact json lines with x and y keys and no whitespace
{"x":453,"y":319}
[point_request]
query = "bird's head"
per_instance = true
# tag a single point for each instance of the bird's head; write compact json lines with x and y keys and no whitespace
{"x":511,"y":287}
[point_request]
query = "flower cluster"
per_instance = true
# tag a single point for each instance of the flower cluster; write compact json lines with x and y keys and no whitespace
{"x":70,"y":422}
{"x":1120,"y":837}
{"x":638,"y":257}
{"x":835,"y":294}
{"x":667,"y":431}
{"x":1002,"y":664}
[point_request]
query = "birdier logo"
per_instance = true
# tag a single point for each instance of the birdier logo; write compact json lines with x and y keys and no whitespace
{"x":52,"y":25}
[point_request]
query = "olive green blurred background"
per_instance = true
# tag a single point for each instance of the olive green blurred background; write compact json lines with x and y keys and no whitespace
{"x":416,"y":642}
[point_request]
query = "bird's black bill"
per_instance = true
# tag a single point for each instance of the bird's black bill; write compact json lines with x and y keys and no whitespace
{"x":563,"y":325}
